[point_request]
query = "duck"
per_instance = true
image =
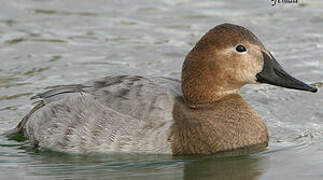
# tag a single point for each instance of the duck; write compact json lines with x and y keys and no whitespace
{"x":203,"y":113}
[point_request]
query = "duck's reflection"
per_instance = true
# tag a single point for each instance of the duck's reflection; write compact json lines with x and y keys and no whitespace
{"x":243,"y":167}
{"x":146,"y":167}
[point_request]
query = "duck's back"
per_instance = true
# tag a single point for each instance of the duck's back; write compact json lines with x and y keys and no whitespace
{"x":112,"y":114}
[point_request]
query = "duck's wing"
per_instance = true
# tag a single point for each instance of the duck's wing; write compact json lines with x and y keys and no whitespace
{"x":143,"y":98}
{"x":132,"y":95}
{"x":119,"y":106}
{"x":115,"y":88}
{"x":58,"y":92}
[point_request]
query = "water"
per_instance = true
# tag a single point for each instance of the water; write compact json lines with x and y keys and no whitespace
{"x":46,"y":43}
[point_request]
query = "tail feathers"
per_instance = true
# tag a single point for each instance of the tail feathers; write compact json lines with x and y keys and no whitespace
{"x":46,"y":97}
{"x":19,"y":128}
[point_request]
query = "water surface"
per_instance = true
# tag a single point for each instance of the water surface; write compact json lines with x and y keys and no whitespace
{"x":46,"y":43}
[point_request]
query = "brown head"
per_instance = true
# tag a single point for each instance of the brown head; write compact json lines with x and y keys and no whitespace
{"x":226,"y":58}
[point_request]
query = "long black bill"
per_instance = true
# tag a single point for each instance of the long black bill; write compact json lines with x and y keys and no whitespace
{"x":274,"y":74}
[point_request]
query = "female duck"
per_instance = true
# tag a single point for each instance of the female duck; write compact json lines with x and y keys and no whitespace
{"x":204,"y":113}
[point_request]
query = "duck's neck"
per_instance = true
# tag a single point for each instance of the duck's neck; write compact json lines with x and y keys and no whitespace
{"x":211,"y":98}
{"x":202,"y":83}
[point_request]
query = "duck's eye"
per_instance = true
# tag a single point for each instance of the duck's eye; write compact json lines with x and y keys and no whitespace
{"x":240,"y":48}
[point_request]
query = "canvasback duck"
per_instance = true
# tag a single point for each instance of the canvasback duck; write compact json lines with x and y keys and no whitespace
{"x":201,"y":114}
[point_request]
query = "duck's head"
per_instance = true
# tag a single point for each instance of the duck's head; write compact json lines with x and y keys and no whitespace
{"x":226,"y":58}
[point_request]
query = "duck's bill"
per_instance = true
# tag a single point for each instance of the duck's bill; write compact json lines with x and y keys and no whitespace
{"x":274,"y":74}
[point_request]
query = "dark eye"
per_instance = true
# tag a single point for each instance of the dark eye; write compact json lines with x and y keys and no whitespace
{"x":241,"y":48}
